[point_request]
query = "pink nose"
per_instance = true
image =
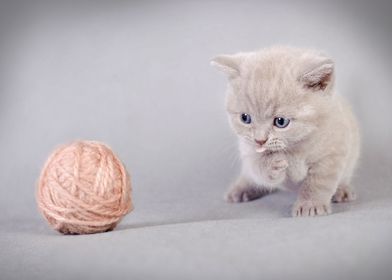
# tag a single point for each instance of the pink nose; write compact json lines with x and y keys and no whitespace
{"x":260,"y":142}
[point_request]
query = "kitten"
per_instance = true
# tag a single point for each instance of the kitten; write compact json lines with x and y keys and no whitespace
{"x":292,"y":129}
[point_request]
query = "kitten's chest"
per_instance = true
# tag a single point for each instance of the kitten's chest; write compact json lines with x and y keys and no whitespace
{"x":297,"y":170}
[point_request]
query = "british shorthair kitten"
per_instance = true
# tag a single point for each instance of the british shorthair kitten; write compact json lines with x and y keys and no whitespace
{"x":293,"y":130}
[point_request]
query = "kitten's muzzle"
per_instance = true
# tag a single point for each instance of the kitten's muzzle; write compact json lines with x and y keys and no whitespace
{"x":261,"y":142}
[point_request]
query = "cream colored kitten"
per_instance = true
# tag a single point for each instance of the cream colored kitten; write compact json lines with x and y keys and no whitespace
{"x":293,"y":130}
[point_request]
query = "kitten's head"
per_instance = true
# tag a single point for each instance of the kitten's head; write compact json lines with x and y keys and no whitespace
{"x":276,"y":97}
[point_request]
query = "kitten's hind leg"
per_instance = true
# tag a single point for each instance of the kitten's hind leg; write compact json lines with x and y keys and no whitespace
{"x":344,"y":193}
{"x":242,"y":191}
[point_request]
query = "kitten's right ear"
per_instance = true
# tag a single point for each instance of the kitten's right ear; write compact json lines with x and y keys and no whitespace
{"x":229,"y":64}
{"x":320,"y":76}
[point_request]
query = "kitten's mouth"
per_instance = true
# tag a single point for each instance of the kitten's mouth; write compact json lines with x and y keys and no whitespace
{"x":261,"y":149}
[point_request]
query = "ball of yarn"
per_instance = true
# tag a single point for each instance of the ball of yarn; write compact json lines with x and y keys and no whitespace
{"x":84,"y":188}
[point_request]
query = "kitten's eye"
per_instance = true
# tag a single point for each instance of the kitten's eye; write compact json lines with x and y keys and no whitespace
{"x":281,"y":122}
{"x":245,"y":118}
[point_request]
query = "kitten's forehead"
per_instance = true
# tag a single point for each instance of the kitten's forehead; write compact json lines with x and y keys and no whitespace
{"x":269,"y":83}
{"x":263,"y":89}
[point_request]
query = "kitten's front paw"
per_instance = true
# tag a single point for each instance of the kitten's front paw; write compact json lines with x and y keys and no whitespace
{"x":309,"y":208}
{"x":244,"y":194}
{"x":277,"y":169}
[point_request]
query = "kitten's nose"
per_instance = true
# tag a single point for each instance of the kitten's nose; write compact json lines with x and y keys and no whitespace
{"x":260,"y":141}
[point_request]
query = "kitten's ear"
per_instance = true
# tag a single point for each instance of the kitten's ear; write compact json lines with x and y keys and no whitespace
{"x":320,"y":76}
{"x":228,"y":64}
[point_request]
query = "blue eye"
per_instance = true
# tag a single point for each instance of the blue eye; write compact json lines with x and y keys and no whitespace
{"x":246,"y":118}
{"x":281,"y":122}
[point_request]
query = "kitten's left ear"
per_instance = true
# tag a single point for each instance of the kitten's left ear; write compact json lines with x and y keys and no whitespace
{"x":229,"y":64}
{"x":320,"y":77}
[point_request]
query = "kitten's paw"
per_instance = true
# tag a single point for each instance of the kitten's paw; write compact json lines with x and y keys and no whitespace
{"x":309,"y":208}
{"x":277,"y":168}
{"x":344,"y":194}
{"x":240,"y":194}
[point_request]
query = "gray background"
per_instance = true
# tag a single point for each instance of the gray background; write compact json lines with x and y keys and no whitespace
{"x":136,"y":75}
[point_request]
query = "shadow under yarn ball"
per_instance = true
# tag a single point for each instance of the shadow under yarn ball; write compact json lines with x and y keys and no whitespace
{"x":84,"y":188}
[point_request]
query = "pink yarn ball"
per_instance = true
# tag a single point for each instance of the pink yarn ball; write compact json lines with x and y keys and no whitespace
{"x":84,"y":188}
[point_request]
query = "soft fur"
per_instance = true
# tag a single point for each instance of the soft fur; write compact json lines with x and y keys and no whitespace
{"x":319,"y":148}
